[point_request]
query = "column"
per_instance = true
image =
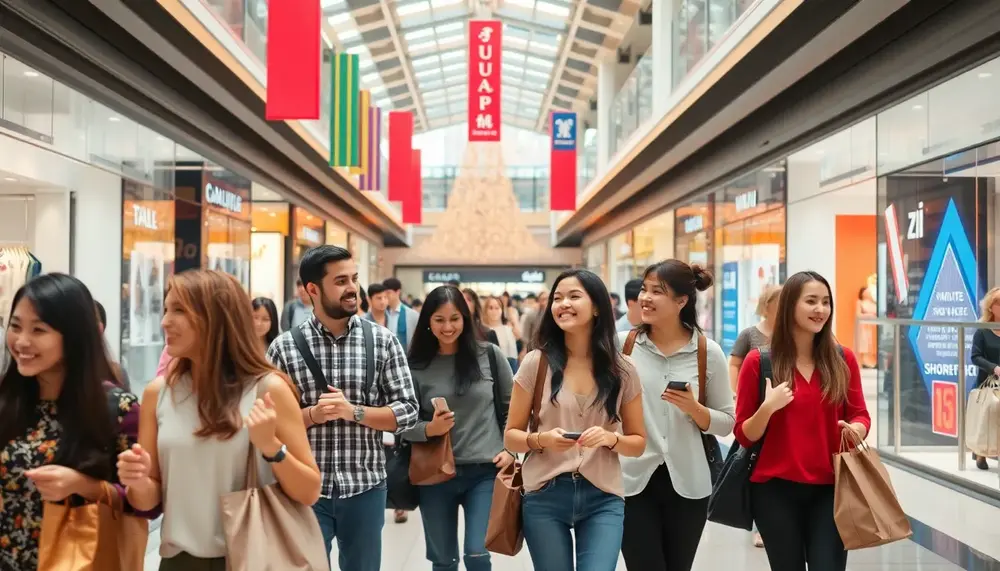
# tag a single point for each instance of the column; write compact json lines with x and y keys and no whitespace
{"x":606,"y":90}
{"x":663,"y":14}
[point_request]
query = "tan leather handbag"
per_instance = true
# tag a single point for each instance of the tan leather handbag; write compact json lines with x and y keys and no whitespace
{"x":93,"y":537}
{"x":505,"y":531}
{"x":268,"y":531}
{"x":432,"y":462}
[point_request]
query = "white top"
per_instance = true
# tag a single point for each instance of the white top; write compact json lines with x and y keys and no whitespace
{"x":508,"y":344}
{"x":197,"y":472}
{"x":672,"y":437}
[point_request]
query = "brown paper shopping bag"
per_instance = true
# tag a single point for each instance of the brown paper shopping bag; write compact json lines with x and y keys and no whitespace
{"x":865,"y":507}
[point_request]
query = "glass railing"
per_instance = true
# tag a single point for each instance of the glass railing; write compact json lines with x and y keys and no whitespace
{"x":633,"y":105}
{"x":918,"y":396}
{"x":530,"y":185}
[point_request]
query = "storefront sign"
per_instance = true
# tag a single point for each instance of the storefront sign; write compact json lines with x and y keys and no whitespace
{"x":308,"y":234}
{"x":486,"y":275}
{"x":226,"y":199}
{"x":948,"y":294}
{"x":746,"y":201}
{"x":144,"y":217}
{"x":694,"y":224}
{"x":484,"y":80}
{"x":730,"y":305}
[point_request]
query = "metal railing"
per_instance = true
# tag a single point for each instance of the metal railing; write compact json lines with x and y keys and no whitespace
{"x":897,"y":424}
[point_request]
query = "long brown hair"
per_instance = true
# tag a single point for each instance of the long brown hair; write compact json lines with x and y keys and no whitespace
{"x":229,"y":360}
{"x":833,"y":372}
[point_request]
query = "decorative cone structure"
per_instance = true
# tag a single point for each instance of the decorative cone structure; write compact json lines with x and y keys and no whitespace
{"x":482,"y":223}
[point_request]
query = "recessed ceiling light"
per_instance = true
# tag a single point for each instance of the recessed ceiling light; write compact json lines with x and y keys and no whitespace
{"x":985,"y":75}
{"x":114,"y":119}
{"x":918,"y":107}
{"x":10,"y":179}
{"x":31,"y":74}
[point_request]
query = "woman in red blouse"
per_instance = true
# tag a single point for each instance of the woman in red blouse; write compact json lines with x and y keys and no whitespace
{"x":814,"y":394}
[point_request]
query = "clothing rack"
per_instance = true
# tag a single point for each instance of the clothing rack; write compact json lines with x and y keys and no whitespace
{"x":24,"y":239}
{"x":17,"y":266}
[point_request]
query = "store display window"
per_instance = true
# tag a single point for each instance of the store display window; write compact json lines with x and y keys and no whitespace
{"x":148,"y":249}
{"x":336,"y":235}
{"x":750,"y":247}
{"x":226,"y":231}
{"x":597,"y":260}
{"x":267,"y":250}
{"x":693,"y":244}
{"x":654,"y":240}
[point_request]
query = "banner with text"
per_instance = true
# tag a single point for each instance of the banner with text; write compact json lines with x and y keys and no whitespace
{"x":562,"y":162}
{"x":484,"y":80}
{"x":400,"y":154}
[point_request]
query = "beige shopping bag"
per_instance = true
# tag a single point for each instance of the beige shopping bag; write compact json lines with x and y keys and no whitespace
{"x":982,"y":419}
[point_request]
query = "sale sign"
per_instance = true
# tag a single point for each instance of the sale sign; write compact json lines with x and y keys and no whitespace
{"x":484,"y":80}
{"x":944,"y":408}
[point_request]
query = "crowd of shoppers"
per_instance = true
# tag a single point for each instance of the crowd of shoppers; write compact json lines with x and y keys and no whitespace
{"x":608,"y":422}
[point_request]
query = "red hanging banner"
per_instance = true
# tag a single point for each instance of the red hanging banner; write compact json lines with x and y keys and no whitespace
{"x":293,"y":60}
{"x":562,"y":162}
{"x":400,"y":154}
{"x":484,"y":80}
{"x":413,"y":206}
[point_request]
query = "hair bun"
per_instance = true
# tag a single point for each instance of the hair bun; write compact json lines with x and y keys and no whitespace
{"x":702,"y":278}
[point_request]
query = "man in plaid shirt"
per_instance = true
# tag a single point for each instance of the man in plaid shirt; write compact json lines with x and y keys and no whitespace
{"x":344,"y":423}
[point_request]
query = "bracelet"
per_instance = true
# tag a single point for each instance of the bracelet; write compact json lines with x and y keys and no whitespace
{"x":537,"y":445}
{"x":612,"y":447}
{"x":309,"y":413}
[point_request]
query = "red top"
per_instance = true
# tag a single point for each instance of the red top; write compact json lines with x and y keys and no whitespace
{"x":801,"y":438}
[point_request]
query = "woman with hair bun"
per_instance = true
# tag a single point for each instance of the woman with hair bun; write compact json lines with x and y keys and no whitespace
{"x":667,"y":487}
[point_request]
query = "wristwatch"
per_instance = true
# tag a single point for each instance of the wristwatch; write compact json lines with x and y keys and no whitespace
{"x":359,"y":413}
{"x":278,"y":457}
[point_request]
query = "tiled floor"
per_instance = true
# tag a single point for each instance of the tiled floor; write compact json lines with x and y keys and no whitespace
{"x":721,"y":548}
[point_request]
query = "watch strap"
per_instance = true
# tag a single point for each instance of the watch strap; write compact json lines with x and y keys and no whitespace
{"x":278,"y":456}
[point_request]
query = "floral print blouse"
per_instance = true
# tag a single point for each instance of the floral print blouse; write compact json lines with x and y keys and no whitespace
{"x":20,"y":503}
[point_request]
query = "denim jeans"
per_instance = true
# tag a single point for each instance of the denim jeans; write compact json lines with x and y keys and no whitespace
{"x":570,"y":502}
{"x":356,"y":522}
{"x":471,"y":488}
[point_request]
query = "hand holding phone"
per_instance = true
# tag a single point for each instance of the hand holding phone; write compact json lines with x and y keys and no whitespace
{"x":572,"y":435}
{"x":678,"y":386}
{"x":440,"y":404}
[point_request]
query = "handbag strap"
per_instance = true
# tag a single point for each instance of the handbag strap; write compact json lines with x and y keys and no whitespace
{"x":536,"y":397}
{"x":630,"y":342}
{"x":702,"y":367}
{"x":317,"y":373}
{"x":495,"y":375}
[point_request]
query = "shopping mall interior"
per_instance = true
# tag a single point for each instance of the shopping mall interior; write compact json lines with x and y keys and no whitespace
{"x":755,"y":138}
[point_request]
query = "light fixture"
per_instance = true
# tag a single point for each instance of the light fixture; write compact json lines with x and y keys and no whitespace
{"x":273,"y":214}
{"x":10,"y":179}
{"x":114,"y":119}
{"x":31,"y":74}
{"x":918,"y":107}
{"x":985,"y":75}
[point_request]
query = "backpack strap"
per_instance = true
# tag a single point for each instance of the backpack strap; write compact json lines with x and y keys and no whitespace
{"x":307,"y":355}
{"x":536,"y":397}
{"x":766,"y":372}
{"x":702,"y":367}
{"x":495,"y":375}
{"x":366,"y":328}
{"x":630,"y":342}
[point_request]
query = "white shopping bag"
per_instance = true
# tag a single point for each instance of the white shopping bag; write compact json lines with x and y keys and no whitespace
{"x":982,"y":419}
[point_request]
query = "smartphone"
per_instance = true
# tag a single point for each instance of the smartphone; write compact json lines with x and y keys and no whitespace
{"x":440,"y":405}
{"x":677,"y":386}
{"x":572,"y":435}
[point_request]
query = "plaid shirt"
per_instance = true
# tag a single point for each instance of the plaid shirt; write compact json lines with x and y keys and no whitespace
{"x":350,"y":456}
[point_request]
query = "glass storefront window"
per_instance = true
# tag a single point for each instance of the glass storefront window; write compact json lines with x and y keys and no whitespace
{"x":597,"y":260}
{"x":227,"y":223}
{"x":267,"y":240}
{"x":147,"y":263}
{"x":693,"y":245}
{"x":336,"y":235}
{"x":654,"y":241}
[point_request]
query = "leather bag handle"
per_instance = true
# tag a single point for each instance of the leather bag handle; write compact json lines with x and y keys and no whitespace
{"x":702,"y":367}
{"x":536,"y":398}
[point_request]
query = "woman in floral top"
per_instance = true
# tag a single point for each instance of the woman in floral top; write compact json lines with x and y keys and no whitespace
{"x":56,"y":404}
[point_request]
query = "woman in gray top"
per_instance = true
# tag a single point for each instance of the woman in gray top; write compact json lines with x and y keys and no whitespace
{"x":470,"y":382}
{"x":755,"y":337}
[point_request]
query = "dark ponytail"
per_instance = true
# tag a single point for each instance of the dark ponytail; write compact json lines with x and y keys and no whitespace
{"x":683,"y":280}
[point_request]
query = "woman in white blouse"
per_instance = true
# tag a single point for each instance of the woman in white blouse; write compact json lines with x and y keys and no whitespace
{"x":667,"y":488}
{"x":495,"y":319}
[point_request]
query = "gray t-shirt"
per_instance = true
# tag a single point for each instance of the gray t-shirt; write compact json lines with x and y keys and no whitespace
{"x":749,"y":339}
{"x":477,"y":435}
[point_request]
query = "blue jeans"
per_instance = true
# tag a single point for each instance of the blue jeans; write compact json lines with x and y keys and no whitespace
{"x":471,"y":488}
{"x":357,"y":524}
{"x":570,"y":502}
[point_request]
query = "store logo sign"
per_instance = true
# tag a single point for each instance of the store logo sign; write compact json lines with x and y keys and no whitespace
{"x":310,"y":235}
{"x":227,"y":199}
{"x":693,"y":224}
{"x":533,"y":277}
{"x":443,"y":277}
{"x":746,"y":201}
{"x":915,"y":230}
{"x":143,"y":217}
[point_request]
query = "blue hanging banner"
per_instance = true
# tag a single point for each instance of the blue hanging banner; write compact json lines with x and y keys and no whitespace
{"x":730,"y":305}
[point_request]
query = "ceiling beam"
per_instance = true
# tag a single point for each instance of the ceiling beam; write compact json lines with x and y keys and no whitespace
{"x":407,"y":71}
{"x":567,"y":47}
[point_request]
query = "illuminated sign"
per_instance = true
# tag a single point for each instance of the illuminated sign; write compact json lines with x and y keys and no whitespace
{"x":143,"y":217}
{"x":223,"y":198}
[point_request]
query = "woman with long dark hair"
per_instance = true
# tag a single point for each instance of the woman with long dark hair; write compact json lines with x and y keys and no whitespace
{"x":265,"y":320}
{"x":453,"y":368}
{"x":590,"y":413}
{"x":813,"y":396}
{"x":62,"y":419}
{"x":219,"y":399}
{"x":483,"y":333}
{"x":667,"y":488}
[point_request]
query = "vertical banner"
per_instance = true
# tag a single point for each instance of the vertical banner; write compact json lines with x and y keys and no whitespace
{"x":484,"y":80}
{"x":562,"y":162}
{"x":730,"y":305}
{"x":371,"y":179}
{"x":294,"y":53}
{"x":344,"y":148}
{"x":400,"y":154}
{"x":413,"y":206}
{"x":364,"y":102}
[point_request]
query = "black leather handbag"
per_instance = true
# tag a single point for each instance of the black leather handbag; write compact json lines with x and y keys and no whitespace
{"x":729,"y":503}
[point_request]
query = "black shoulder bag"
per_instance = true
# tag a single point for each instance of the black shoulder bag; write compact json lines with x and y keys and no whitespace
{"x":729,"y":503}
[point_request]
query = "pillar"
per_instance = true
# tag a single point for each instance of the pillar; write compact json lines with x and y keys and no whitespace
{"x":662,"y":53}
{"x":606,"y":90}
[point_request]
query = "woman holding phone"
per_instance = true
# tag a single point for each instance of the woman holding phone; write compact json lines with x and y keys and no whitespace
{"x":667,"y":488}
{"x":814,"y":396}
{"x":456,"y":377}
{"x":590,"y":413}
